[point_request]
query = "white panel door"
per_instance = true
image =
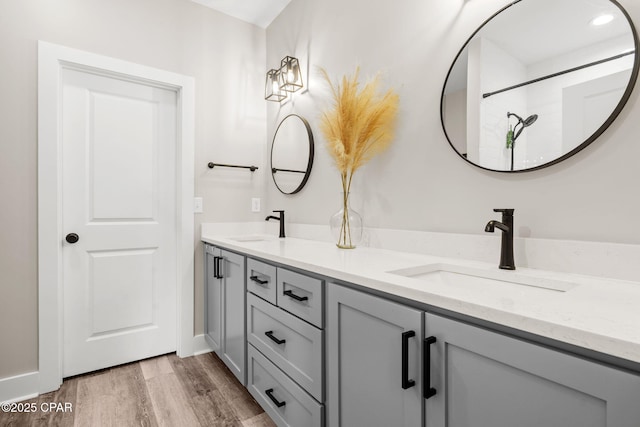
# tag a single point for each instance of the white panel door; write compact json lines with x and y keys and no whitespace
{"x":119,"y":197}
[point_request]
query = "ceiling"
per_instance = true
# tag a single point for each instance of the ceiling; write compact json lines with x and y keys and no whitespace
{"x":258,"y":12}
{"x":537,"y":31}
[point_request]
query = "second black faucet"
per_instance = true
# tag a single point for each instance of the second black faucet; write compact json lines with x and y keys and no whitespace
{"x":506,"y":226}
{"x":279,"y":218}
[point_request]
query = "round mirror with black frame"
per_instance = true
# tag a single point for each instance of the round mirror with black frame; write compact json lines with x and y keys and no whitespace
{"x":538,"y":82}
{"x":292,"y":154}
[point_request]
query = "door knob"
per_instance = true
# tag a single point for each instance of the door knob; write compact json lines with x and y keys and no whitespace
{"x":72,"y":238}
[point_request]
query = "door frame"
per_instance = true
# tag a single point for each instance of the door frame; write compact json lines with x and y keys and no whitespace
{"x":52,"y":59}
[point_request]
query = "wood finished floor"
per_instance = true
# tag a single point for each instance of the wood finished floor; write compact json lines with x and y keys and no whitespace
{"x":162,"y":391}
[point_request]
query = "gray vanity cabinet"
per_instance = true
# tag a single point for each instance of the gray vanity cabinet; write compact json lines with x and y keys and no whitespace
{"x":335,"y":356}
{"x":290,"y":343}
{"x":213,"y":299}
{"x":373,"y":361}
{"x":286,"y":344}
{"x":225,"y":308}
{"x":486,"y":379}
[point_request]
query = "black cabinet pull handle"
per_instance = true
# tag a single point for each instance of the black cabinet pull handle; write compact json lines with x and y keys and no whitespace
{"x":216,"y":267}
{"x":274,"y":339}
{"x":406,"y":382}
{"x":258,"y":281}
{"x":427,"y":390}
{"x":72,"y":238}
{"x":290,"y":294}
{"x":273,"y":399}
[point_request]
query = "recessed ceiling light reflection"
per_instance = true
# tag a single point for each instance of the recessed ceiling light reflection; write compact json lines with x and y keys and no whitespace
{"x":601,"y":20}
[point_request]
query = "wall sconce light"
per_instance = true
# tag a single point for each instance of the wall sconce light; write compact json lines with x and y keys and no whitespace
{"x":272,"y":91}
{"x":290,"y":75}
{"x":288,"y":78}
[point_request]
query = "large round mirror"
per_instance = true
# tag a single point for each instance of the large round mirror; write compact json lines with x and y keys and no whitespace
{"x":292,"y":154}
{"x":538,"y":82}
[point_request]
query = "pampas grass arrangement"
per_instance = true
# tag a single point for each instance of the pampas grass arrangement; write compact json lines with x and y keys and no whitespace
{"x":360,"y":125}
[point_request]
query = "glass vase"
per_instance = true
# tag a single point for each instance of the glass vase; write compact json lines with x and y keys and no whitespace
{"x":346,"y":225}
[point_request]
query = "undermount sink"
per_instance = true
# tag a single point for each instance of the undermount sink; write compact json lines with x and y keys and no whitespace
{"x":462,"y":276}
{"x":252,"y":238}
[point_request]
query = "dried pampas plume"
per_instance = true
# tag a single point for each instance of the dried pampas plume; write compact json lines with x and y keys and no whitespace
{"x":360,"y":125}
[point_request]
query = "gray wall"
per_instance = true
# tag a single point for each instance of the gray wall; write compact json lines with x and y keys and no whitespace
{"x":421,"y":184}
{"x":226,"y":57}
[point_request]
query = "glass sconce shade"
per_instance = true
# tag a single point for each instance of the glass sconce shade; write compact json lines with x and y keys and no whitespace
{"x":290,"y":75}
{"x":272,"y":91}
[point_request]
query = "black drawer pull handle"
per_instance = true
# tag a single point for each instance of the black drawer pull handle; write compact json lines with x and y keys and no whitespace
{"x":274,"y":339}
{"x":427,"y":390}
{"x":258,"y":281}
{"x":290,"y":294}
{"x":217,"y":274}
{"x":406,"y":382}
{"x":273,"y":399}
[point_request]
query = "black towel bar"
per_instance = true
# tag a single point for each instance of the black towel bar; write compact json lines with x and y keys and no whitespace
{"x":251,"y":168}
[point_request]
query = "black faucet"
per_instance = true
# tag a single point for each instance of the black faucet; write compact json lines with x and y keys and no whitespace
{"x":279,"y":218}
{"x":506,"y":251}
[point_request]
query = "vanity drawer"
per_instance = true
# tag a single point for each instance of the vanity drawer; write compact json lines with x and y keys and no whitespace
{"x":261,"y":279}
{"x":285,"y":402}
{"x":291,"y":344}
{"x":300,"y":295}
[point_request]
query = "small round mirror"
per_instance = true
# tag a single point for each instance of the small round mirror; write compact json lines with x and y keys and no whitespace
{"x":539,"y":81}
{"x":292,"y":154}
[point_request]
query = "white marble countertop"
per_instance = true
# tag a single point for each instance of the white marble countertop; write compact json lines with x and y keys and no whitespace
{"x":595,"y":313}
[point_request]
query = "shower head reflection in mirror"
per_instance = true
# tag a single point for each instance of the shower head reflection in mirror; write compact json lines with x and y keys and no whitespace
{"x":514,"y":132}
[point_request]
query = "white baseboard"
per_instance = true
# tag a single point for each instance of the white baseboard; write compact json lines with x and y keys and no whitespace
{"x":20,"y":387}
{"x":200,"y":345}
